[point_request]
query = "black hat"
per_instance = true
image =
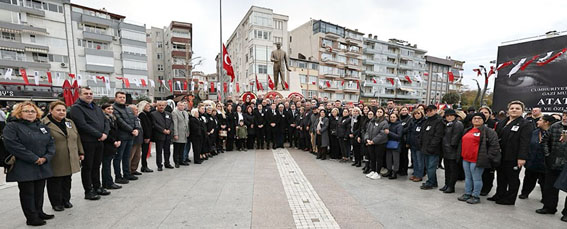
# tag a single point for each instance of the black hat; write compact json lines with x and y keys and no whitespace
{"x":430,"y":107}
{"x":450,"y":112}
{"x":479,"y":114}
{"x":471,"y":109}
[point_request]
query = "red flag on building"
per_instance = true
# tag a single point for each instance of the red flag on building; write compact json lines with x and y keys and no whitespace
{"x":270,"y":83}
{"x":49,"y":78}
{"x":226,"y":63}
{"x":144,"y":82}
{"x":328,"y":83}
{"x":343,"y":83}
{"x":24,"y":75}
{"x":451,"y":76}
{"x":72,"y":75}
{"x":357,"y":84}
{"x":225,"y":87}
{"x":391,"y":80}
{"x":212,"y":86}
{"x":185,"y":85}
{"x":426,"y":74}
{"x":374,"y":80}
{"x":170,"y":83}
{"x":409,"y":79}
{"x":237,"y":88}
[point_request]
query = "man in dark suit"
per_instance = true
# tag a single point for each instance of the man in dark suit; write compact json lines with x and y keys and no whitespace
{"x":272,"y":121}
{"x":162,"y":124}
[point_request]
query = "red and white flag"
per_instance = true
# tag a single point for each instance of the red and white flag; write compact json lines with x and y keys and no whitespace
{"x":49,"y":78}
{"x":227,"y":64}
{"x":409,"y":79}
{"x":24,"y":75}
{"x":36,"y":77}
{"x":527,"y":63}
{"x":237,"y":88}
{"x":517,"y":67}
{"x":152,"y":83}
{"x":451,"y":77}
{"x":270,"y":83}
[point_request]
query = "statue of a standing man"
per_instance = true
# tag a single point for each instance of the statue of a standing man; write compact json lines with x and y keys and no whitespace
{"x":278,"y":56}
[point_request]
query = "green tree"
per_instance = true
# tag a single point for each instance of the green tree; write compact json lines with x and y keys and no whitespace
{"x":451,"y":98}
{"x":143,"y":98}
{"x":103,"y":100}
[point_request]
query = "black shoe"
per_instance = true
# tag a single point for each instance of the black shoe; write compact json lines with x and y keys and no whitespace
{"x":523,"y":196}
{"x":137,"y":173}
{"x":113,"y":186}
{"x":92,"y":195}
{"x":353,"y":164}
{"x":449,"y":190}
{"x":168,"y":166}
{"x":36,"y":222}
{"x":176,"y":165}
{"x":366,"y":171}
{"x":545,"y":211}
{"x":428,"y":187}
{"x":68,"y":205}
{"x":564,"y":218}
{"x":44,"y":216}
{"x":484,"y":194}
{"x":160,"y":169}
{"x":393,"y":176}
{"x":102,"y":192}
{"x":503,"y":202}
{"x":121,"y":180}
{"x":131,"y":177}
{"x":444,"y":188}
{"x":147,"y":170}
{"x":197,"y":162}
{"x":58,"y":208}
{"x":493,"y":198}
{"x":185,"y":163}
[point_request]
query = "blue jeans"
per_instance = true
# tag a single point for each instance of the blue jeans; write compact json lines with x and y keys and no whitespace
{"x":431,"y":163}
{"x":473,"y":178}
{"x":417,"y":162}
{"x":123,"y":155}
{"x":106,"y":173}
{"x":186,"y":150}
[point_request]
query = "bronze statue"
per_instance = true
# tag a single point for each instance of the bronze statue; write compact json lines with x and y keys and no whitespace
{"x":278,"y":56}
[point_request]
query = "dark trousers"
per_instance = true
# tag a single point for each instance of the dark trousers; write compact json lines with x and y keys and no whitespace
{"x":249,"y":141}
{"x":186,"y":150}
{"x":291,"y":136}
{"x":230,"y":142}
{"x":31,"y":198}
{"x":90,"y":166}
{"x":335,"y":149}
{"x":59,"y":190}
{"x":197,"y":145}
{"x":404,"y":159}
{"x":451,"y":172}
{"x":178,"y":152}
{"x":271,"y":136}
{"x":107,"y":180}
{"x":122,"y":157}
{"x":532,"y":177}
{"x":163,"y":148}
{"x":356,"y":150}
{"x":508,"y":182}
{"x":550,"y":193}
{"x":241,"y":142}
{"x":306,"y":139}
{"x":376,"y":154}
{"x":145,"y":152}
{"x":261,"y":137}
{"x":344,"y":144}
{"x":487,"y":180}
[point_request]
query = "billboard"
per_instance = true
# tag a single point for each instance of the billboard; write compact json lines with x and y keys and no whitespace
{"x":534,"y":72}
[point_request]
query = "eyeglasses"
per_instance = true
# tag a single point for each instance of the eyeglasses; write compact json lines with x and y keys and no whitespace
{"x":29,"y":111}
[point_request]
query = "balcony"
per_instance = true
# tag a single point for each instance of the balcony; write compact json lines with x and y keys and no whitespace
{"x":95,"y":20}
{"x":351,"y":90}
{"x":353,"y":67}
{"x":332,"y":62}
{"x":370,"y":50}
{"x":332,"y":36}
{"x":351,"y":77}
{"x":331,"y":75}
{"x":351,"y":40}
{"x":175,"y":53}
{"x":97,"y":37}
{"x":180,"y":40}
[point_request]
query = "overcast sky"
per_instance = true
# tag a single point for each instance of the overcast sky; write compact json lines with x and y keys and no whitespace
{"x":465,"y":30}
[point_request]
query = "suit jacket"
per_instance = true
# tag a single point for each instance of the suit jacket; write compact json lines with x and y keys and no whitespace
{"x":161,"y":121}
{"x":89,"y":121}
{"x":180,"y":126}
{"x":68,"y":147}
{"x":514,"y":138}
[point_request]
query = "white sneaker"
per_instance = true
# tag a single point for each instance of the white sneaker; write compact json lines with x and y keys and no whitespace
{"x":376,"y":176}
{"x":370,"y":174}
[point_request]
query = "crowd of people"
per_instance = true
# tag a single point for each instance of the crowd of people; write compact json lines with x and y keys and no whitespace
{"x":106,"y":144}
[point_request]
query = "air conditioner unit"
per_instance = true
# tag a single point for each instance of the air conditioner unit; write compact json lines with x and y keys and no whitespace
{"x":63,"y":65}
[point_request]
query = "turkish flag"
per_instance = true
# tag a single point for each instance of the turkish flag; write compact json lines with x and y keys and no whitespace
{"x":185,"y":85}
{"x":373,"y":80}
{"x":227,"y":64}
{"x":451,"y":76}
{"x":49,"y":78}
{"x":67,"y":94}
{"x":328,"y":84}
{"x":426,"y":74}
{"x":170,"y":83}
{"x":270,"y":82}
{"x":286,"y":85}
{"x":144,"y":83}
{"x":225,"y":87}
{"x":212,"y":86}
{"x":72,"y":75}
{"x":24,"y":75}
{"x":343,"y":83}
{"x":75,"y":88}
{"x":391,"y":81}
{"x":409,"y":79}
{"x":237,"y":88}
{"x":357,"y":84}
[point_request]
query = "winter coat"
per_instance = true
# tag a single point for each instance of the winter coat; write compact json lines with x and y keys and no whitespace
{"x":241,"y":132}
{"x":536,"y":157}
{"x":231,"y":123}
{"x":160,"y":122}
{"x":324,"y":130}
{"x":180,"y":126}
{"x":414,"y":129}
{"x":489,"y":155}
{"x":259,"y":118}
{"x":109,"y":148}
{"x":374,"y":131}
{"x":29,"y":141}
{"x":68,"y":148}
{"x":554,"y":150}
{"x":146,"y":124}
{"x":357,"y":126}
{"x":249,"y":122}
{"x":396,"y":132}
{"x":197,"y":129}
{"x":343,"y":129}
{"x":514,"y":138}
{"x":333,"y":125}
{"x":138,"y":140}
{"x":451,"y":139}
{"x":126,"y":121}
{"x":431,"y":135}
{"x":89,"y":120}
{"x":404,"y":121}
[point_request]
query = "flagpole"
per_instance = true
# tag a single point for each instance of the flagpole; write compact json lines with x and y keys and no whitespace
{"x":221,"y":56}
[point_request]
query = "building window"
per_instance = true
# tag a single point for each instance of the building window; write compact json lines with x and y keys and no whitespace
{"x":278,"y":24}
{"x":278,"y":39}
{"x":159,"y":44}
{"x":58,"y":58}
{"x":8,"y":36}
{"x":302,"y":79}
{"x":159,"y":56}
{"x":32,"y":38}
{"x":94,"y":29}
{"x":39,"y":57}
{"x":160,"y":67}
{"x":262,"y":69}
{"x":92,"y":44}
{"x":12,"y":55}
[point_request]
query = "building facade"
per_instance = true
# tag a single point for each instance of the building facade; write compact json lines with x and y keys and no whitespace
{"x":438,"y":82}
{"x":308,"y":73}
{"x":170,"y":59}
{"x":60,"y":38}
{"x":338,"y":50}
{"x":392,"y":71}
{"x":251,"y":44}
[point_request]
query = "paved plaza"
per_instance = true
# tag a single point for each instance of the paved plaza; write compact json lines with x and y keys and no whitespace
{"x":283,"y":188}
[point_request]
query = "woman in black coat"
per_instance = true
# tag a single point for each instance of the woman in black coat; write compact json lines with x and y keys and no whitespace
{"x":111,"y":145}
{"x":30,"y":142}
{"x":343,"y":132}
{"x":299,"y":129}
{"x":395,"y":132}
{"x":412,"y":141}
{"x":335,"y":150}
{"x":204,"y":118}
{"x":231,"y":120}
{"x":260,"y":126}
{"x":249,"y":122}
{"x":145,"y":120}
{"x":222,"y":125}
{"x":197,"y":136}
{"x":356,"y":124}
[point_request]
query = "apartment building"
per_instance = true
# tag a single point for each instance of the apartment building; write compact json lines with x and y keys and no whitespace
{"x":251,"y":44}
{"x":170,"y":59}
{"x":393,"y":70}
{"x":308,"y":73}
{"x":437,"y":80}
{"x":338,"y":50}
